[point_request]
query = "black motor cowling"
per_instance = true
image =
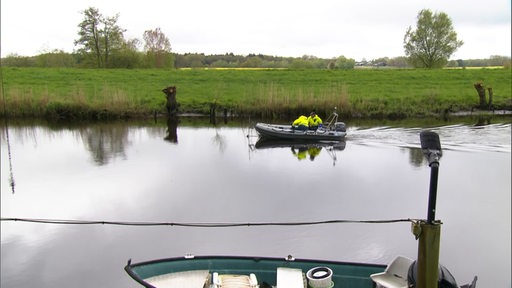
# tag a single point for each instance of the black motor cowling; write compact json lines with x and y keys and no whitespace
{"x":340,"y":127}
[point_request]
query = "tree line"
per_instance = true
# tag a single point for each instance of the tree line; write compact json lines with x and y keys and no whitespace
{"x":101,"y":44}
{"x":139,"y":60}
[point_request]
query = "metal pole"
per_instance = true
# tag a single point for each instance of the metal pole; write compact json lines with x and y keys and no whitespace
{"x":432,"y":195}
{"x":432,"y":150}
{"x":430,"y":231}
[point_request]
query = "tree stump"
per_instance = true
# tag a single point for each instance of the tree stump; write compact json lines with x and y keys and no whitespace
{"x":172,"y":104}
{"x":481,"y":94}
{"x":489,"y":104}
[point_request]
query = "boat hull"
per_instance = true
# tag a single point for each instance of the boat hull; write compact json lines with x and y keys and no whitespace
{"x":343,"y":274}
{"x":286,"y":132}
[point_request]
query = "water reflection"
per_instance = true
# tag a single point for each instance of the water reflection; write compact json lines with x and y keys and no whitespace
{"x":105,"y":142}
{"x":12,"y":184}
{"x":303,"y":150}
{"x":172,"y":129}
{"x":483,"y":120}
{"x":219,"y":140}
{"x":416,"y":157}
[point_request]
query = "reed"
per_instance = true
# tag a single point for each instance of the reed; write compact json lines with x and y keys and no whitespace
{"x":119,"y":93}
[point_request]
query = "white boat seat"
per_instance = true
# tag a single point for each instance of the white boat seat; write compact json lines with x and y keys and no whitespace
{"x":395,"y":275}
{"x":186,"y":279}
{"x":290,"y":278}
{"x":234,"y":281}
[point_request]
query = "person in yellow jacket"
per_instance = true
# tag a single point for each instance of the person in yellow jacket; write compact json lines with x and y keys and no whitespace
{"x":314,"y":121}
{"x":300,"y":123}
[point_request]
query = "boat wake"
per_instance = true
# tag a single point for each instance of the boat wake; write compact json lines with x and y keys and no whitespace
{"x":489,"y":138}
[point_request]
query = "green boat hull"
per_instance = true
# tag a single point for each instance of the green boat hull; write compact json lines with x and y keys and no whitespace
{"x":343,"y":274}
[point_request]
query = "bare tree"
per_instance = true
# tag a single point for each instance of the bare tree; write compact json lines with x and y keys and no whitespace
{"x":157,"y":47}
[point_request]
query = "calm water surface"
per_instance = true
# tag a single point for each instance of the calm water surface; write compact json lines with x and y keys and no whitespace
{"x":204,"y":173}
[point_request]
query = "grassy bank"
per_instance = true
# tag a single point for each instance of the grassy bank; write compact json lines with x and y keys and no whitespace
{"x":117,"y":93}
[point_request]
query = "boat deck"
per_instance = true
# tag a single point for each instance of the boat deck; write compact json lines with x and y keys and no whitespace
{"x":286,"y":277}
{"x":185,"y":279}
{"x":275,"y":272}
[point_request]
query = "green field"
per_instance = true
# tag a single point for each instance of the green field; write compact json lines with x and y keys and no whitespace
{"x":360,"y":93}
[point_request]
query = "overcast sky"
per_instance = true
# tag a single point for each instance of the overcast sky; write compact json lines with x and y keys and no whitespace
{"x":358,"y":29}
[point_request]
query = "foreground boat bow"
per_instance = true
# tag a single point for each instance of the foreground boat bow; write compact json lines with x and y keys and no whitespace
{"x":208,"y":271}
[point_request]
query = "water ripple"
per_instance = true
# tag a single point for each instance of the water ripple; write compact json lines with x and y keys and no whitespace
{"x":459,"y":137}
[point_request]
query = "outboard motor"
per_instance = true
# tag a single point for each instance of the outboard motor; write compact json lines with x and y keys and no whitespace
{"x":445,"y":278}
{"x":340,"y":126}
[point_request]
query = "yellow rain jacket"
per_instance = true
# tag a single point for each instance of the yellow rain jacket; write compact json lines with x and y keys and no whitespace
{"x":314,"y":121}
{"x":302,"y":120}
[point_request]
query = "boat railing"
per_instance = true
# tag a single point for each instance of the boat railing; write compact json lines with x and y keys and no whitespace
{"x":330,"y":123}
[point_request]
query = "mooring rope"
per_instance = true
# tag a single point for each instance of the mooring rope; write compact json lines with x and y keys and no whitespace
{"x":201,"y":225}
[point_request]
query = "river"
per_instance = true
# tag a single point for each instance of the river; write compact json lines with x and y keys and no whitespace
{"x":195,"y":172}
